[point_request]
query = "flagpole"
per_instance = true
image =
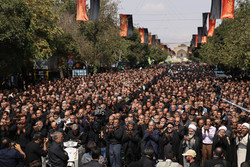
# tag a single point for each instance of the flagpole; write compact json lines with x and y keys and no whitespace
{"x":235,"y":105}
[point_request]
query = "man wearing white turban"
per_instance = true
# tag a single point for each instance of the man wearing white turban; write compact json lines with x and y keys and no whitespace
{"x":191,"y":141}
{"x":223,"y":141}
{"x":243,"y":144}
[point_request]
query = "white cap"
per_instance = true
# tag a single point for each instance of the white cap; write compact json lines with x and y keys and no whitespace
{"x":246,"y":125}
{"x":190,"y":153}
{"x":191,"y":126}
{"x":222,"y":128}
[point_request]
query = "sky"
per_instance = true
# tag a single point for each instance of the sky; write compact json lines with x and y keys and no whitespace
{"x":173,"y":21}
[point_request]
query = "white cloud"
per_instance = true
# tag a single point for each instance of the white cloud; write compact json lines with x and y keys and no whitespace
{"x":153,"y":7}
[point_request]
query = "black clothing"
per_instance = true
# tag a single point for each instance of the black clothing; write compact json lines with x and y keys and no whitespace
{"x":173,"y":143}
{"x":224,"y":144}
{"x":57,"y":156}
{"x":115,"y":137}
{"x":77,"y":136}
{"x":24,"y":138}
{"x":34,"y":152}
{"x":131,"y":146}
{"x":146,"y":162}
{"x":194,"y":164}
{"x":214,"y":161}
{"x":10,"y":157}
{"x":92,"y":163}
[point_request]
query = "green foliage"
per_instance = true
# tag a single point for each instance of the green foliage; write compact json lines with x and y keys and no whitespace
{"x":14,"y":23}
{"x":230,"y":44}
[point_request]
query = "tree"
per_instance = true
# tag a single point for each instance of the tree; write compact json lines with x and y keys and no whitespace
{"x":230,"y":44}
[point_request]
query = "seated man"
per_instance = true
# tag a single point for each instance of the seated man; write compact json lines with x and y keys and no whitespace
{"x":10,"y":156}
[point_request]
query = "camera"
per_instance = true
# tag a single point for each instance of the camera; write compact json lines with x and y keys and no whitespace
{"x":99,"y":112}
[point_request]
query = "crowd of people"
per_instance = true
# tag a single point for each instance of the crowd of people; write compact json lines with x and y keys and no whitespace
{"x":168,"y":115}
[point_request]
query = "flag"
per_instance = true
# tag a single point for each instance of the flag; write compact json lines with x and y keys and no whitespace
{"x":199,"y":34}
{"x":189,"y":50}
{"x":211,"y":27}
{"x":81,"y":11}
{"x":126,"y":25}
{"x":215,"y":9}
{"x":227,"y":9}
{"x":196,"y":40}
{"x":204,"y":19}
{"x":94,"y":10}
{"x":141,"y":32}
{"x":153,"y":40}
{"x":158,"y":42}
{"x":145,"y":35}
{"x":166,"y":47}
{"x":204,"y":39}
{"x":130,"y":25}
{"x":193,"y":41}
{"x":150,"y":39}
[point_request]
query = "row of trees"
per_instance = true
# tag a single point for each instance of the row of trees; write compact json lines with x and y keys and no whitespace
{"x":229,"y":47}
{"x":31,"y":29}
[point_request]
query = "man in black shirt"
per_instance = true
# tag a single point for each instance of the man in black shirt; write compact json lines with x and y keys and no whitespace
{"x":114,"y":136}
{"x":33,"y":149}
{"x":57,"y":156}
{"x":217,"y":159}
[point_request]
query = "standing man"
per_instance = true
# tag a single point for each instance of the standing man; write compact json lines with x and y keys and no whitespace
{"x":57,"y":156}
{"x":10,"y":156}
{"x":33,"y":149}
{"x":115,"y":138}
{"x":208,"y":132}
{"x":243,"y":144}
{"x":151,"y":138}
{"x":190,"y":158}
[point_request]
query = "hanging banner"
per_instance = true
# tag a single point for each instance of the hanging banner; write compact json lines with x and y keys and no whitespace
{"x":94,"y":10}
{"x":196,"y":41}
{"x":153,"y":40}
{"x":158,"y":42}
{"x":227,"y":9}
{"x":215,"y":12}
{"x":193,"y":41}
{"x":211,"y":27}
{"x":189,"y":50}
{"x":162,"y":47}
{"x":81,"y":11}
{"x":204,"y":39}
{"x":141,"y":32}
{"x":126,"y":25}
{"x":123,"y":25}
{"x":130,"y":25}
{"x":145,"y":35}
{"x":150,"y":39}
{"x":204,"y":20}
{"x":199,"y":34}
{"x":166,"y":47}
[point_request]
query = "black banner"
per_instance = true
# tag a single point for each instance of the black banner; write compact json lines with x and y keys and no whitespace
{"x":145,"y":35}
{"x":158,"y":42}
{"x":204,"y":18}
{"x":193,"y":41}
{"x":130,"y":25}
{"x":94,"y":10}
{"x":199,"y":34}
{"x":215,"y":12}
{"x":153,"y":40}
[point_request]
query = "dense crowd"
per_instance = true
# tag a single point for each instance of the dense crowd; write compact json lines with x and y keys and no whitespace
{"x":166,"y":115}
